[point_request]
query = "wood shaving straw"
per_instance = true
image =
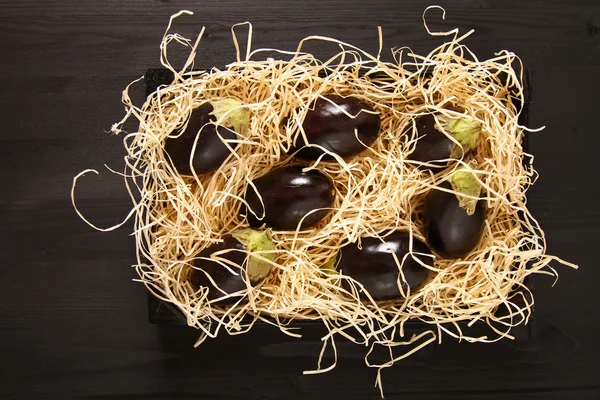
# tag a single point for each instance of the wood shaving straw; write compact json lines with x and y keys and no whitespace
{"x":378,"y":192}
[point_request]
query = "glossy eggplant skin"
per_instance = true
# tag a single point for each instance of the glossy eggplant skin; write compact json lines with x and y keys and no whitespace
{"x":210,"y":152}
{"x":432,"y":145}
{"x":225,"y":280}
{"x":450,"y":231}
{"x":375,"y":268}
{"x":289,"y":194}
{"x":327,"y":126}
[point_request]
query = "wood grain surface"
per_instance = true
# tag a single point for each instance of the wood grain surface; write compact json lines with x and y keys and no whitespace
{"x":73,"y":323}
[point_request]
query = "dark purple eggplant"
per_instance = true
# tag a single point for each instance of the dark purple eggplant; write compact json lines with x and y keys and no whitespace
{"x":375,"y":268}
{"x":328,"y":126}
{"x":237,"y":249}
{"x":433,"y":146}
{"x":289,"y":195}
{"x":210,"y":152}
{"x":452,"y":226}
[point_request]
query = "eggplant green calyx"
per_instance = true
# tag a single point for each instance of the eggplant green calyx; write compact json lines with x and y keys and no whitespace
{"x":329,"y":266}
{"x":260,"y":248}
{"x":464,"y":129}
{"x":464,"y":182}
{"x":231,"y":113}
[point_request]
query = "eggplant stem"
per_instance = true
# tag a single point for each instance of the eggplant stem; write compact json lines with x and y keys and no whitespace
{"x":464,"y":129}
{"x":257,"y":242}
{"x":329,"y":266}
{"x":231,"y":113}
{"x":464,"y":182}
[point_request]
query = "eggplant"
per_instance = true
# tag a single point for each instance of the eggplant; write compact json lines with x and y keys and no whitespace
{"x":375,"y":268}
{"x":328,"y":126}
{"x":453,"y":225}
{"x":289,"y":195}
{"x":237,"y":249}
{"x":210,"y":152}
{"x":433,"y":145}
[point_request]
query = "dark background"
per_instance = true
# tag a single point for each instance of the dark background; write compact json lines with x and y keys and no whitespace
{"x":73,"y":324}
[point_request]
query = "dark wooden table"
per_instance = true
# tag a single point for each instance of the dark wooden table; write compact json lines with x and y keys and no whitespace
{"x":73,"y":324}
